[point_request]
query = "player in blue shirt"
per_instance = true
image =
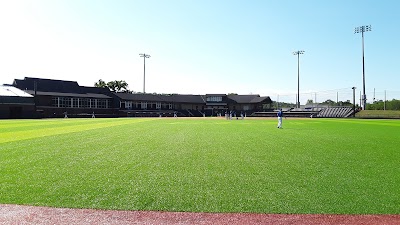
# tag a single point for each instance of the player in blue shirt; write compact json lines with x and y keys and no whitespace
{"x":280,"y":115}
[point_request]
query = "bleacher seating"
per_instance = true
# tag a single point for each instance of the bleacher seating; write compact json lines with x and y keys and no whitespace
{"x":335,"y":112}
{"x":194,"y":113}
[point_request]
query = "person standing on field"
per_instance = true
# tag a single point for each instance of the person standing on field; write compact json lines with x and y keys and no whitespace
{"x":280,"y":115}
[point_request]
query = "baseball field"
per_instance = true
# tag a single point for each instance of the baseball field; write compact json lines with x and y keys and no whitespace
{"x":311,"y":166}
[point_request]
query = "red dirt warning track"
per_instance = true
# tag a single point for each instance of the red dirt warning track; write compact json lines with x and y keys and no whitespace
{"x":17,"y":214}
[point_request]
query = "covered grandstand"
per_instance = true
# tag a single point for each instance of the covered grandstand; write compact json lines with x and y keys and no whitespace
{"x":336,"y":112}
{"x":312,"y":112}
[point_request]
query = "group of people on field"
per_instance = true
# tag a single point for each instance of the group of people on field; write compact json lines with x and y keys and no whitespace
{"x":231,"y":114}
{"x":228,"y":116}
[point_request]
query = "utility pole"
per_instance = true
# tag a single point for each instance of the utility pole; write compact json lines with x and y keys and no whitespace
{"x":277,"y":103}
{"x":354,"y":101}
{"x":337,"y":98}
{"x":384,"y":103}
{"x":298,"y":53}
{"x":361,"y":30}
{"x":144,"y":70}
{"x":315,"y":102}
{"x":374,"y":95}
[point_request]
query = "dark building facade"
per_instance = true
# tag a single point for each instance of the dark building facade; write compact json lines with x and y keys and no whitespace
{"x":55,"y":98}
{"x":15,"y":103}
{"x":190,"y":105}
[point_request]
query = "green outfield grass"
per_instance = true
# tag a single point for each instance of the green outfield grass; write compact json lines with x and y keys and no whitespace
{"x":340,"y":166}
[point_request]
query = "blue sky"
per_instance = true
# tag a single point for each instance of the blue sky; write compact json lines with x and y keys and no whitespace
{"x":206,"y":46}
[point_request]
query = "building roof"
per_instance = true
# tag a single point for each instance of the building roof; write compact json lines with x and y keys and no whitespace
{"x":47,"y":85}
{"x":95,"y":90}
{"x":139,"y":97}
{"x":207,"y":95}
{"x":265,"y":99}
{"x":59,"y":94}
{"x":243,"y":99}
{"x":194,"y":99}
{"x":12,"y":91}
{"x":60,"y":88}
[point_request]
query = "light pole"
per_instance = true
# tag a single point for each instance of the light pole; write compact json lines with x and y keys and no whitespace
{"x":144,"y":70}
{"x":298,"y":53}
{"x":361,"y":30}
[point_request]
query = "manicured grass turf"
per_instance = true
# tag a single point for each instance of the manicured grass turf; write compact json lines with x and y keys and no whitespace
{"x":339,"y":166}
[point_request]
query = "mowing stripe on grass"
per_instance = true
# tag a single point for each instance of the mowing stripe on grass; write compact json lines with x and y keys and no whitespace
{"x":44,"y":128}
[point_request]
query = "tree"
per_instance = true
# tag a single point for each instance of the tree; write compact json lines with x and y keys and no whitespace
{"x":115,"y":86}
{"x":121,"y":85}
{"x":377,"y":105}
{"x":328,"y":102}
{"x":101,"y":84}
{"x":393,"y":104}
{"x":283,"y":104}
{"x":346,"y":103}
{"x":112,"y":85}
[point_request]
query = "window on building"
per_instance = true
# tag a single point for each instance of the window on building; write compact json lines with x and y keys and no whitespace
{"x":214,"y":99}
{"x":158,"y":105}
{"x":102,"y":103}
{"x":65,"y":102}
{"x":128,"y":104}
{"x":54,"y":102}
{"x":75,"y":103}
{"x":84,"y":103}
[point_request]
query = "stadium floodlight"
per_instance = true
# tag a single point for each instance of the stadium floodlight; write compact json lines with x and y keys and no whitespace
{"x":144,"y":70}
{"x":361,"y":30}
{"x":298,"y":53}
